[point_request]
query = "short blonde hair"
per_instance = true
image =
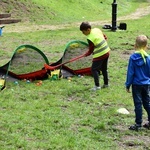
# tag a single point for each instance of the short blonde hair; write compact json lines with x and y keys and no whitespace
{"x":141,"y":41}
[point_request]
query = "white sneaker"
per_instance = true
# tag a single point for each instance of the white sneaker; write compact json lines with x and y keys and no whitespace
{"x":95,"y":88}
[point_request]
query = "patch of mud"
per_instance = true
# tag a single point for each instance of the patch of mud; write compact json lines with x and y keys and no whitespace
{"x":132,"y":142}
{"x":126,"y":54}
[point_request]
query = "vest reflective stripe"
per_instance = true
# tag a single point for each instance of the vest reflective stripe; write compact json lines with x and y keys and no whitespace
{"x":101,"y":46}
{"x":101,"y":53}
{"x":100,"y":50}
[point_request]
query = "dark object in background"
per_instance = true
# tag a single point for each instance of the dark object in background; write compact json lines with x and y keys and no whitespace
{"x":113,"y":26}
{"x":107,"y":26}
{"x":114,"y":16}
{"x":123,"y":26}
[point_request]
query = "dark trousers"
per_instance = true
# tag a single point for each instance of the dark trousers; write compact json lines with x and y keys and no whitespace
{"x":141,"y":97}
{"x":97,"y":66}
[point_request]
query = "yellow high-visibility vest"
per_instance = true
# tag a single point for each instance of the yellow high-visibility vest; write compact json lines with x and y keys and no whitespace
{"x":101,"y":46}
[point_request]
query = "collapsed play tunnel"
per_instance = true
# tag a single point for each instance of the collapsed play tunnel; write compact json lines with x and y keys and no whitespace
{"x":27,"y":62}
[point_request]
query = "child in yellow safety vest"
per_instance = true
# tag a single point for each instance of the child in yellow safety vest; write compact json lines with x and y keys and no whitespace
{"x":99,"y":48}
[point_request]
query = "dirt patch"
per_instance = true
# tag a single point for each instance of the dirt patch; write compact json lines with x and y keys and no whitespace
{"x":135,"y":142}
{"x":140,"y":12}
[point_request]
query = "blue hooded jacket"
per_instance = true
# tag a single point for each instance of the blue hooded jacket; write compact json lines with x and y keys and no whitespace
{"x":138,"y":72}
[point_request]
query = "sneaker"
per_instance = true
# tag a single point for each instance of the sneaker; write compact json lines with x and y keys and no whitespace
{"x":147,"y":125}
{"x":135,"y":127}
{"x":105,"y":86}
{"x":95,"y":88}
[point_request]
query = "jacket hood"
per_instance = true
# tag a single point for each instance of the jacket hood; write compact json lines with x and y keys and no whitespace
{"x":138,"y":59}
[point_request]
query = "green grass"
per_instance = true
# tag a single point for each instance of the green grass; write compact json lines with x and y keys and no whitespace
{"x":63,"y":114}
{"x":68,"y":11}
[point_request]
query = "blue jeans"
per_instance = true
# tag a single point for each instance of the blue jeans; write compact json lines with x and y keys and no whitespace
{"x":141,"y":97}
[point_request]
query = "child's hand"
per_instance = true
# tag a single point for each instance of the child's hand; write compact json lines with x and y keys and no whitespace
{"x":105,"y":37}
{"x":128,"y":90}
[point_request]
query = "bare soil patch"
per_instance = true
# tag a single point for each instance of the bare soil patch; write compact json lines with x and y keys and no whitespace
{"x":132,"y":142}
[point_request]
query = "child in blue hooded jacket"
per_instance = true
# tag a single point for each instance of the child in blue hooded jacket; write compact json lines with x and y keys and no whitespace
{"x":138,"y":75}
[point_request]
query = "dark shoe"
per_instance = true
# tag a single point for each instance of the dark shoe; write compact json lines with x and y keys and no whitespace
{"x":147,"y":125}
{"x":105,"y":86}
{"x":135,"y":127}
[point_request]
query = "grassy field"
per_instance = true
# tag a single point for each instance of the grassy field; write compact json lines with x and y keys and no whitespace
{"x":63,"y":114}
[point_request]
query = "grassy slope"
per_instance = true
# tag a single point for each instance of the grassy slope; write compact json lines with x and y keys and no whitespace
{"x":65,"y":115}
{"x":56,"y":12}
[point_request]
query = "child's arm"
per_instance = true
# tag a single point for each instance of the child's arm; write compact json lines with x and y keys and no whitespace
{"x":91,"y":48}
